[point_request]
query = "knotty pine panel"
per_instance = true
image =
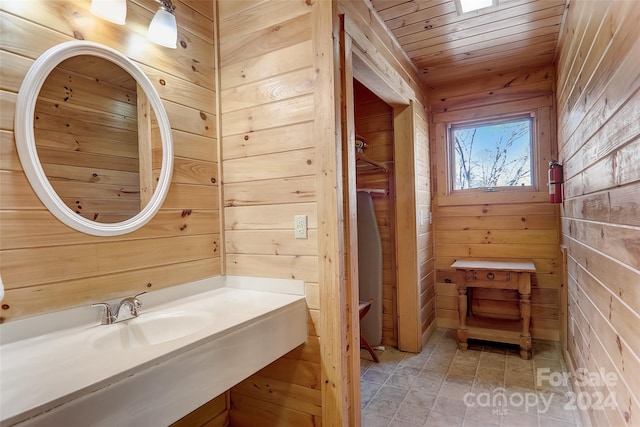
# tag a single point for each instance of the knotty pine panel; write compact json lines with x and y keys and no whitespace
{"x":250,"y":412}
{"x":593,"y":335}
{"x":616,"y":242}
{"x":55,"y":144}
{"x":597,"y":54}
{"x":285,"y":266}
{"x":298,"y":82}
{"x":41,"y":225}
{"x":498,"y":236}
{"x":621,"y":282}
{"x":310,"y":351}
{"x":197,"y":172}
{"x":258,"y":16}
{"x":281,"y":113}
{"x":188,"y":196}
{"x":269,"y":141}
{"x":86,"y":90}
{"x":259,"y":67}
{"x":271,"y":191}
{"x":193,"y":146}
{"x":281,"y":393}
{"x":448,"y":25}
{"x":47,"y":266}
{"x":536,"y":85}
{"x":601,"y":334}
{"x":270,"y":242}
{"x":289,"y":31}
{"x":269,"y":175}
{"x":270,"y":166}
{"x":487,"y":250}
{"x":499,"y":224}
{"x":212,"y":414}
{"x":617,"y":204}
{"x":40,"y":265}
{"x":598,"y":108}
{"x":227,"y":9}
{"x":269,"y":217}
{"x":187,"y":119}
{"x":32,"y":300}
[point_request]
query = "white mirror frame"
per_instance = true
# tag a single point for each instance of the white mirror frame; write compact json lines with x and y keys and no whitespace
{"x":26,"y":144}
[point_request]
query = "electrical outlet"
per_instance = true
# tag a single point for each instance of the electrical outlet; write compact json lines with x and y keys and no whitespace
{"x":300,"y":226}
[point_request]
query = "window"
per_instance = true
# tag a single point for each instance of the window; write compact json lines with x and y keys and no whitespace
{"x":492,"y":154}
{"x":464,"y":6}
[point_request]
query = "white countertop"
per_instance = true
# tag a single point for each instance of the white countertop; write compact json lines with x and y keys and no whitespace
{"x":41,"y":372}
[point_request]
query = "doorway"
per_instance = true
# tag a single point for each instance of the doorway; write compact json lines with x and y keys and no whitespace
{"x":375,"y":187}
{"x":361,"y":63}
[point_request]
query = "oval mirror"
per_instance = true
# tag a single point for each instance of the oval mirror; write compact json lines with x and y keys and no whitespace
{"x":93,"y":138}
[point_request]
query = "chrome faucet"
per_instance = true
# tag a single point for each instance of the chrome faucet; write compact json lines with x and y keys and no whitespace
{"x":111,"y":315}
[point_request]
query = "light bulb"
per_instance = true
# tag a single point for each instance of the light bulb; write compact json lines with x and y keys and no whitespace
{"x":112,"y":10}
{"x":163,"y":29}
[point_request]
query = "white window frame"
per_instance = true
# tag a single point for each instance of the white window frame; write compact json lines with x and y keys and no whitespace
{"x":534,"y":162}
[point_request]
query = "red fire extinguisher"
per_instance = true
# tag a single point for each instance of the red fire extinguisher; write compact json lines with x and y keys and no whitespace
{"x":555,"y":182}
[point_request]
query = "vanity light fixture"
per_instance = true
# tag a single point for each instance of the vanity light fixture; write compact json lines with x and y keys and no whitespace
{"x":464,"y":6}
{"x":163,"y":29}
{"x":112,"y":10}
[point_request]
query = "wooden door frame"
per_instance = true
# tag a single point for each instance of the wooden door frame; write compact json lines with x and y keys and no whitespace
{"x":372,"y":70}
{"x":350,"y":221}
{"x":341,"y":50}
{"x":333,"y":325}
{"x":406,"y":225}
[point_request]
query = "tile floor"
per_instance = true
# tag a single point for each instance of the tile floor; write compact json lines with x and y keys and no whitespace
{"x":487,"y":385}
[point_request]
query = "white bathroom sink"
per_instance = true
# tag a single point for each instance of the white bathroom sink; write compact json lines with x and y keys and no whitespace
{"x":189,"y":344}
{"x":149,"y":329}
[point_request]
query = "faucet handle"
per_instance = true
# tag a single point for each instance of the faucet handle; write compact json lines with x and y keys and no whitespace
{"x":134,"y":304}
{"x":107,"y":317}
{"x":136,"y":301}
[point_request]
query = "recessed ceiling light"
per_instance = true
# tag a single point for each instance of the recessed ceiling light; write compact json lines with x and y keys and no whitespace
{"x":464,"y":6}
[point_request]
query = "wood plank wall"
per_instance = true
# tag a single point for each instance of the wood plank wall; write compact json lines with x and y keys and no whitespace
{"x":214,"y":413}
{"x":499,"y":225}
{"x":269,"y":169}
{"x":374,"y":122}
{"x":79,"y":104}
{"x":598,"y":98}
{"x":47,"y":266}
{"x":424,"y":203}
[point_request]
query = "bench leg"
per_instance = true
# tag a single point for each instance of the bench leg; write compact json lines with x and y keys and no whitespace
{"x":367,"y":347}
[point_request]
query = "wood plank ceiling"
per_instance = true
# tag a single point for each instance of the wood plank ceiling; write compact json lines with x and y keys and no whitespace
{"x":446,"y":46}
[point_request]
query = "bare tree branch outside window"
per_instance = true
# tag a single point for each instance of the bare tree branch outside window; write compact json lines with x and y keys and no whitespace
{"x":492,"y":155}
